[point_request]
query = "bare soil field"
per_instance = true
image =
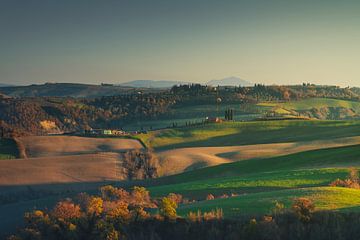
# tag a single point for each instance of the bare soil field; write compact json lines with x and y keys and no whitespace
{"x":185,"y":159}
{"x":60,"y":169}
{"x":45,"y":146}
{"x":64,"y":160}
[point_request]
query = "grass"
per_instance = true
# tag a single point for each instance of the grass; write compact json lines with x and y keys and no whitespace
{"x":310,"y":103}
{"x":325,"y":198}
{"x":259,"y":182}
{"x":339,"y":157}
{"x":244,"y":133}
{"x":8,"y":149}
{"x":252,"y":183}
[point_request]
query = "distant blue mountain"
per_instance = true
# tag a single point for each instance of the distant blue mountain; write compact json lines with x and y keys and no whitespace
{"x":230,"y":81}
{"x":152,"y":83}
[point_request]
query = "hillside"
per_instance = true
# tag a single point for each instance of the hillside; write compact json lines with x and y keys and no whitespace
{"x":319,"y":108}
{"x":262,"y":181}
{"x":153,"y":83}
{"x":179,"y":106}
{"x":66,"y":159}
{"x":246,"y":133}
{"x":230,"y":81}
{"x":265,"y":161}
{"x":67,"y":90}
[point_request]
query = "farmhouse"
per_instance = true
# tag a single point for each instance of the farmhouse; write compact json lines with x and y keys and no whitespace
{"x":106,"y":132}
{"x":213,"y":120}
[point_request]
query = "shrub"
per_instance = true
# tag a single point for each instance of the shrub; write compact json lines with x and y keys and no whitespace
{"x":94,"y":206}
{"x":303,"y":208}
{"x":167,"y":208}
{"x":176,"y":197}
{"x":210,"y":197}
{"x":278,"y":208}
{"x":66,"y":210}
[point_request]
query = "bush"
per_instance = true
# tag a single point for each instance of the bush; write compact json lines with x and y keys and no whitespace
{"x":167,"y":208}
{"x":303,"y":208}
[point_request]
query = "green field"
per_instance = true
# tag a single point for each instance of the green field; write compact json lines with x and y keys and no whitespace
{"x":244,"y":133}
{"x":260,"y":182}
{"x":325,"y":198}
{"x":312,"y":168}
{"x":310,"y":103}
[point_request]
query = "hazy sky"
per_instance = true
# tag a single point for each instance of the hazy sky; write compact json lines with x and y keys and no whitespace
{"x":266,"y":41}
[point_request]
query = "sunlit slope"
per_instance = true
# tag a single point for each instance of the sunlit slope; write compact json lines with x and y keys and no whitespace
{"x":339,"y":157}
{"x":178,"y":160}
{"x":259,"y":182}
{"x":245,"y":133}
{"x":306,"y":104}
{"x":325,"y":198}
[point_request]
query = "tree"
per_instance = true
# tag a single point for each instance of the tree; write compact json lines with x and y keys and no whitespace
{"x":167,"y":208}
{"x":95,"y":206}
{"x":66,"y":210}
{"x":303,"y":208}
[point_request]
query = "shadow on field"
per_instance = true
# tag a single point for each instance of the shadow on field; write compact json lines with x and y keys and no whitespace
{"x":283,"y":134}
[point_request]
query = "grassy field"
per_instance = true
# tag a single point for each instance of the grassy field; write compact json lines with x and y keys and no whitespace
{"x":325,"y":198}
{"x":260,"y":182}
{"x":245,"y":133}
{"x":8,"y":149}
{"x":310,"y":103}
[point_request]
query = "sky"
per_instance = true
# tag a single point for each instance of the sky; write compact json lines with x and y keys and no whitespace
{"x":114,"y":41}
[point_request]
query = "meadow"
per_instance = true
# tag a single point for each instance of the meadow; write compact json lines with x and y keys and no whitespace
{"x":306,"y":104}
{"x":257,"y":183}
{"x":252,"y":132}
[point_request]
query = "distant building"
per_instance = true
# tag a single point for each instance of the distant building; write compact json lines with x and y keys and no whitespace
{"x":213,"y":120}
{"x":106,"y":132}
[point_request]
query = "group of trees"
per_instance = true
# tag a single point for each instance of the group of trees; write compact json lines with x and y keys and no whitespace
{"x":118,"y":214}
{"x":139,"y":164}
{"x":96,"y":217}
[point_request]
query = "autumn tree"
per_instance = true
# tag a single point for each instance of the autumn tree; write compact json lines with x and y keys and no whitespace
{"x":303,"y":208}
{"x":167,"y":208}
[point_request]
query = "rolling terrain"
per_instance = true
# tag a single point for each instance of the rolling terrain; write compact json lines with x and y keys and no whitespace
{"x":250,"y":164}
{"x":67,"y":90}
{"x":257,"y":183}
{"x":66,"y":159}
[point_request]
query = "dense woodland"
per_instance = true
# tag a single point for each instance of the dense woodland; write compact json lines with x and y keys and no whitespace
{"x":21,"y":116}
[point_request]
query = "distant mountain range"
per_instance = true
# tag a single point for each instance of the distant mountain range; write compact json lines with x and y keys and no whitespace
{"x":153,"y":83}
{"x":230,"y":81}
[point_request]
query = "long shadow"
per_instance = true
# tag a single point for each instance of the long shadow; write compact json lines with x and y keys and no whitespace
{"x":285,"y":134}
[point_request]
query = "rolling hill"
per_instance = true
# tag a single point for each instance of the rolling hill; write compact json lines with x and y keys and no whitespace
{"x":230,"y":81}
{"x":76,"y":90}
{"x":262,"y":181}
{"x":153,"y":83}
